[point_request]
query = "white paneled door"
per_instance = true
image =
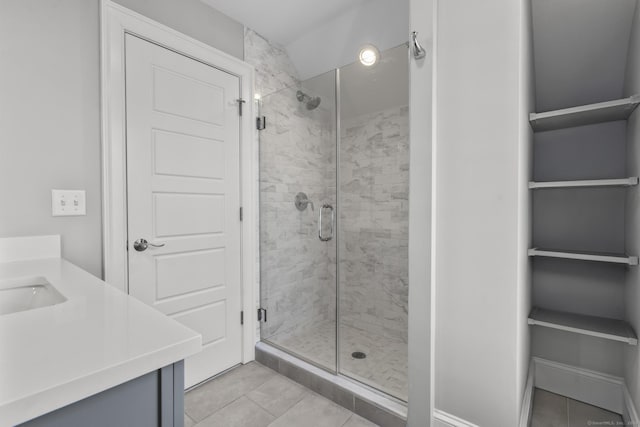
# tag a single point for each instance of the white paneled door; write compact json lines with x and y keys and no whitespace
{"x":183,"y":185}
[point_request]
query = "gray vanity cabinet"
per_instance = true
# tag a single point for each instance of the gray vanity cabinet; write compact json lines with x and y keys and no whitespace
{"x":155,"y":399}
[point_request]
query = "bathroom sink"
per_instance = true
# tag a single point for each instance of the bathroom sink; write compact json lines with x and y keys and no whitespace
{"x":27,"y":293}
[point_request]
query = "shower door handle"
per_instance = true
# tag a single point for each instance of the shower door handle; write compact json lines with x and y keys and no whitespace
{"x":321,"y":236}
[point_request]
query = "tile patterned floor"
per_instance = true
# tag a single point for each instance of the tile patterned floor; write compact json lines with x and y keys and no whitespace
{"x":553,"y":410}
{"x":256,"y":396}
{"x":384,"y":368}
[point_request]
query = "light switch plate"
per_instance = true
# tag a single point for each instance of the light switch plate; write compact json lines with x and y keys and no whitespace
{"x":68,"y":202}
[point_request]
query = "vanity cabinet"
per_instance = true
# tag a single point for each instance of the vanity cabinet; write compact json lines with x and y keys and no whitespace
{"x":152,"y":400}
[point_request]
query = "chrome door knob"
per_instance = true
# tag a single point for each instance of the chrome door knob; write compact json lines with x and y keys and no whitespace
{"x":142,"y":245}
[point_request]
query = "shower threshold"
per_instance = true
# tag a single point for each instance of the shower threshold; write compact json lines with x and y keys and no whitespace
{"x":359,"y":398}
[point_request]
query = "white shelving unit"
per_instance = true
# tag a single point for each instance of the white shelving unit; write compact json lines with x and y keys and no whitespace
{"x":619,"y":109}
{"x":585,"y":256}
{"x":611,"y":329}
{"x":622,"y":182}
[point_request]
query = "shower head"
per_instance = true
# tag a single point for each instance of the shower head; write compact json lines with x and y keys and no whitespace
{"x":310,"y":102}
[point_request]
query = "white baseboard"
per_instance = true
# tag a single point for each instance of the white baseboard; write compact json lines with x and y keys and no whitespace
{"x":527,"y":397}
{"x":444,"y":419}
{"x":594,"y":388}
{"x":630,"y":414}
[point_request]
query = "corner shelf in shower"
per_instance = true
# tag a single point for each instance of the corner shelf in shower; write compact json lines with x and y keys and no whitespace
{"x":590,"y":183}
{"x":601,"y":327}
{"x":619,"y":109}
{"x":585,"y":256}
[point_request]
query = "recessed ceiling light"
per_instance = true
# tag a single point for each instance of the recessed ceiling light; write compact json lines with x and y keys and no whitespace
{"x":368,"y":55}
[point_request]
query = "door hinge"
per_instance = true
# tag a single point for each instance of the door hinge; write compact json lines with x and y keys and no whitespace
{"x":262,"y":315}
{"x":242,"y":317}
{"x":240,"y":102}
{"x":241,"y":214}
{"x":261,"y":123}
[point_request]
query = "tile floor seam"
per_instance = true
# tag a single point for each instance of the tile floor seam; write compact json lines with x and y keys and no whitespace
{"x":267,"y":409}
{"x":221,"y":408}
{"x":568,"y":419}
{"x":287,"y":411}
{"x":231,"y":403}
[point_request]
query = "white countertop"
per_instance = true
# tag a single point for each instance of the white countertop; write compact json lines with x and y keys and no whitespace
{"x":98,"y":338}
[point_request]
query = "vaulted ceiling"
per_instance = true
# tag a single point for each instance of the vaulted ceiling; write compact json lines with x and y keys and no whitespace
{"x":283,"y":21}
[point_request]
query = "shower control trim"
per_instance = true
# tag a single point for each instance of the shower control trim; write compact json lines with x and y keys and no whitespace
{"x":302,"y":201}
{"x":321,"y":236}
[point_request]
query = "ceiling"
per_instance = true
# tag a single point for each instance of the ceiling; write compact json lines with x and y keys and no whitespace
{"x":283,"y":21}
{"x":365,"y":90}
{"x":580,"y":50}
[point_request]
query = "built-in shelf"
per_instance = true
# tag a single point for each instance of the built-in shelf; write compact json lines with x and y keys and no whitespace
{"x":619,"y":109}
{"x":611,"y":329}
{"x":623,"y":182}
{"x":585,"y":256}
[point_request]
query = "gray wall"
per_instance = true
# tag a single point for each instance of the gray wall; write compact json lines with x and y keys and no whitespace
{"x":50,"y":109}
{"x":195,"y":19}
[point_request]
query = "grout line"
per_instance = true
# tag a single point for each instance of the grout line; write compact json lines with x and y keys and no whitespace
{"x":291,"y":408}
{"x":567,"y":400}
{"x":220,"y":409}
{"x":347,"y":420}
{"x":259,"y":405}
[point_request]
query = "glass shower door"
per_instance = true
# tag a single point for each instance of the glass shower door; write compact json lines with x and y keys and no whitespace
{"x":373,"y":184}
{"x":297,"y":228}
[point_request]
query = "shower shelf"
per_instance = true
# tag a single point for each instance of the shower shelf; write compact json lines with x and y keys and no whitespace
{"x":585,"y":256}
{"x":619,"y":109}
{"x":611,"y":329}
{"x":623,"y":182}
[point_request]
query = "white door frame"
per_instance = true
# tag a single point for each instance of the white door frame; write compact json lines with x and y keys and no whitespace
{"x":116,"y":21}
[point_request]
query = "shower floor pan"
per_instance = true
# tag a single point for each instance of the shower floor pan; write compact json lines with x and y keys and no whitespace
{"x":384,"y":367}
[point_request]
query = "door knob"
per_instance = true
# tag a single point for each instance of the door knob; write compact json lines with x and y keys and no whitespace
{"x":142,"y":245}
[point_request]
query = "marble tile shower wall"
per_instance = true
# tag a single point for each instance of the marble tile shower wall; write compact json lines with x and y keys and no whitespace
{"x":297,"y":153}
{"x":374,"y":222}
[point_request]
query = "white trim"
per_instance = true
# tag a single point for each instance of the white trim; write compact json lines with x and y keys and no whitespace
{"x":595,"y":388}
{"x":115,"y":22}
{"x":29,"y":247}
{"x":433,"y":208}
{"x":445,"y":419}
{"x":527,"y":398}
{"x":421,"y":216}
{"x":630,"y":414}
